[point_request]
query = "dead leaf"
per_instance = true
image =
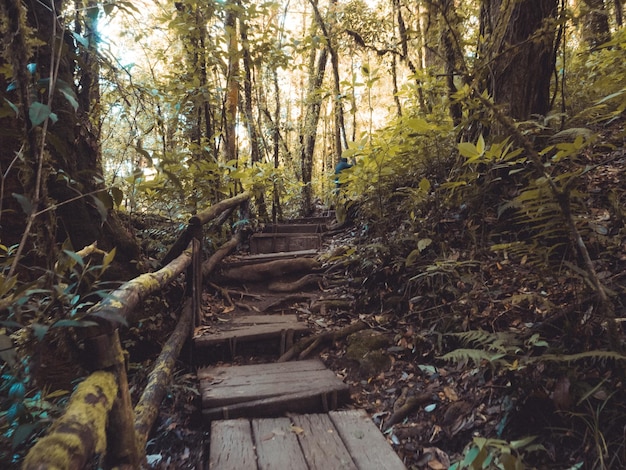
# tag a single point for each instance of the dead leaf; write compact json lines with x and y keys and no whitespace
{"x":297,"y":430}
{"x":450,"y":394}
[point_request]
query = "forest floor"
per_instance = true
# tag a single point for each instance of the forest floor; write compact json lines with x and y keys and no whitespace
{"x":534,"y":409}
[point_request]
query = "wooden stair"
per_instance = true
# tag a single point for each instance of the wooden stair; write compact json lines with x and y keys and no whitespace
{"x":333,"y":441}
{"x":265,"y":390}
{"x":282,"y":416}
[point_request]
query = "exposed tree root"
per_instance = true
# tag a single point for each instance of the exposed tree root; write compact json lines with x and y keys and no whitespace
{"x":306,"y":346}
{"x":296,"y":285}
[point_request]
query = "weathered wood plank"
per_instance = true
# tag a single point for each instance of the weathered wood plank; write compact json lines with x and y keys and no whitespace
{"x":303,"y":402}
{"x":277,"y":445}
{"x":321,"y":443}
{"x":232,"y":446}
{"x":287,"y":319}
{"x":368,"y":447}
{"x":292,"y":228}
{"x":219,"y":372}
{"x":273,"y":242}
{"x":253,"y":328}
{"x":228,"y":385}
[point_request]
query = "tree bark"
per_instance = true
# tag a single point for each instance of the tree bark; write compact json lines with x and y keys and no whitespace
{"x":518,"y":54}
{"x":308,"y":134}
{"x":147,"y":409}
{"x":80,"y":432}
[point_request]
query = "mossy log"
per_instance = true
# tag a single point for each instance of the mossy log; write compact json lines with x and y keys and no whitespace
{"x":209,"y":265}
{"x":194,"y":227}
{"x":296,"y":285}
{"x":80,"y":433}
{"x":269,"y":270}
{"x":119,"y":306}
{"x":304,"y":347}
{"x":216,"y":209}
{"x":147,"y":408}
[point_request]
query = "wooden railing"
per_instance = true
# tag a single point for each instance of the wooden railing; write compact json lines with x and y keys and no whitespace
{"x":99,"y":418}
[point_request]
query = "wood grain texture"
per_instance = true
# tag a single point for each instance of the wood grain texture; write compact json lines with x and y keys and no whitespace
{"x":232,"y":447}
{"x":277,"y":445}
{"x":321,"y":443}
{"x":368,"y":447}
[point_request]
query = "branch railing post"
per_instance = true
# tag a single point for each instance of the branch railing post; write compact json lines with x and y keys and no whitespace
{"x":107,"y":354}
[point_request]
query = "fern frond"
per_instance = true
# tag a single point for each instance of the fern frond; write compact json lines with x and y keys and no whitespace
{"x":477,"y":356}
{"x":596,"y":355}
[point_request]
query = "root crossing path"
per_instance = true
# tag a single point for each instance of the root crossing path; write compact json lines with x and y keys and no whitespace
{"x":264,"y":410}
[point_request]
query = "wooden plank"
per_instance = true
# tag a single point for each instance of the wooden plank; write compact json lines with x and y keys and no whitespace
{"x":273,"y":242}
{"x":292,"y":228}
{"x":277,"y":445}
{"x":225,"y":389}
{"x":266,"y":319}
{"x":321,"y":443}
{"x":253,"y":328}
{"x":303,"y":402}
{"x":368,"y":447}
{"x":232,"y":446}
{"x":219,"y":372}
{"x":263,"y":257}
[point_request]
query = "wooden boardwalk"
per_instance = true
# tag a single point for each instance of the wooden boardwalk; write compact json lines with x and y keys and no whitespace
{"x":264,"y":390}
{"x":282,"y":416}
{"x":337,"y":440}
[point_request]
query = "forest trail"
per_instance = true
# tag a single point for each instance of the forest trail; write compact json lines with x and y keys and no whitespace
{"x":262,"y":411}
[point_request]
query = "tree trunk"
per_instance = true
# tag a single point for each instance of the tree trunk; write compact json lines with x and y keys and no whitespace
{"x":232,"y":80}
{"x":255,"y":152}
{"x":61,"y":186}
{"x":317,"y":69}
{"x":596,"y":23}
{"x":518,"y":54}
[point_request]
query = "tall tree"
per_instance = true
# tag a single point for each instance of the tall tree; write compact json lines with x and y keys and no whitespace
{"x":517,"y":57}
{"x":51,"y":160}
{"x":308,"y":134}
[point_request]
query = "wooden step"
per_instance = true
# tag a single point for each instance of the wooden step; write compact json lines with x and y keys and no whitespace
{"x":253,"y":328}
{"x":293,"y":228}
{"x":276,"y":242}
{"x":337,"y":440}
{"x":270,"y":390}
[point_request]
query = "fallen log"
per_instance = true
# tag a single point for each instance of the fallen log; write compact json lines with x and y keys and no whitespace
{"x":209,"y":265}
{"x":271,"y":269}
{"x":216,"y":209}
{"x":296,"y":285}
{"x":194,"y":226}
{"x":120,"y":304}
{"x":80,"y":433}
{"x":302,"y":349}
{"x":147,"y":409}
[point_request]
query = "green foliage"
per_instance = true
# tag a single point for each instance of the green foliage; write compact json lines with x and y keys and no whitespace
{"x":59,"y":299}
{"x":483,"y":453}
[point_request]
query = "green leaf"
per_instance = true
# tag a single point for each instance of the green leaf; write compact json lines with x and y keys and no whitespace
{"x":108,"y":259}
{"x":24,"y":202}
{"x":83,"y":41}
{"x":480,"y":145}
{"x":468,"y":150}
{"x":118,"y":196}
{"x":38,"y":113}
{"x":423,"y":244}
{"x":22,"y":432}
{"x":75,"y":257}
{"x":419,"y":125}
{"x":73,"y":323}
{"x":424,"y":185}
{"x":39,"y":330}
